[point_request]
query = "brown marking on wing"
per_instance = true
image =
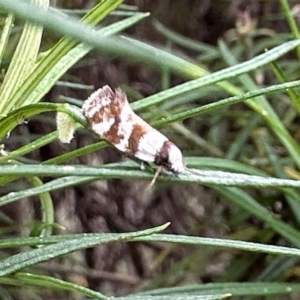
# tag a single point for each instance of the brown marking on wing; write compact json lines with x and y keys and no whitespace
{"x":118,"y":102}
{"x":138,"y":131}
{"x":112,"y":134}
{"x":110,"y":110}
{"x":95,"y":100}
{"x":162,"y":157}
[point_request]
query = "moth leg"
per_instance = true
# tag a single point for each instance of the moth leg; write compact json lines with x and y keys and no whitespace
{"x":158,"y":171}
{"x":144,"y":165}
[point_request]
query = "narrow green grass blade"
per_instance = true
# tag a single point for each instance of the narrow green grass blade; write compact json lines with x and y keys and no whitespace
{"x":121,"y":46}
{"x":192,"y":175}
{"x":293,"y":94}
{"x":5,"y":34}
{"x":22,"y":260}
{"x":274,"y":270}
{"x":219,"y":104}
{"x":177,"y":297}
{"x":291,"y":196}
{"x":263,"y":107}
{"x":150,"y":235}
{"x":57,"y":52}
{"x":88,"y":174}
{"x":37,"y":85}
{"x":76,"y":153}
{"x":18,"y":116}
{"x":23,"y":61}
{"x":46,"y":187}
{"x":235,"y":288}
{"x":183,"y":40}
{"x":47,"y":282}
{"x":291,"y":21}
{"x":218,"y":76}
{"x":44,"y":140}
{"x":222,"y":164}
{"x":47,"y":208}
{"x":233,"y":244}
{"x":164,"y":59}
{"x":245,"y":201}
{"x":238,"y":144}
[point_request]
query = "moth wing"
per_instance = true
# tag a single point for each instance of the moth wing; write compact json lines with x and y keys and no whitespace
{"x":149,"y":145}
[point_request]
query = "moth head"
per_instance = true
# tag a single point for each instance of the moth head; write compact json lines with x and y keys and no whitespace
{"x":170,"y":157}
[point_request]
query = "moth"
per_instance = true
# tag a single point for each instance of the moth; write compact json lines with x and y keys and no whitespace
{"x":110,"y":116}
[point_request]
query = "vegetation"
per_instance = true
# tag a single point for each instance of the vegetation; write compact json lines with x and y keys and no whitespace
{"x":244,"y":144}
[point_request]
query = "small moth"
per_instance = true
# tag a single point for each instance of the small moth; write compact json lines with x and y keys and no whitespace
{"x":111,"y":117}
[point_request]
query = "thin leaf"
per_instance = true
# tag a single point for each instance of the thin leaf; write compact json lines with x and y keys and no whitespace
{"x":5,"y":34}
{"x":47,"y":282}
{"x":26,"y":259}
{"x":23,"y":60}
{"x":234,"y":288}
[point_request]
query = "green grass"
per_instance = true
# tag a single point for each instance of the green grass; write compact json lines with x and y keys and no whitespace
{"x":245,"y":175}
